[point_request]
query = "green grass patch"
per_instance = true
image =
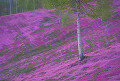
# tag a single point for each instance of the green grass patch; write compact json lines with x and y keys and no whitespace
{"x":16,"y":57}
{"x":5,"y":70}
{"x":54,"y":34}
{"x":84,"y":68}
{"x":74,"y":64}
{"x":88,"y":41}
{"x":41,"y":26}
{"x":71,"y":71}
{"x":4,"y":52}
{"x":25,"y":69}
{"x":29,"y":53}
{"x":116,"y":17}
{"x":37,"y":31}
{"x":98,"y":73}
{"x":45,"y":19}
{"x":58,"y":60}
{"x":71,"y":33}
{"x":51,"y":79}
{"x":89,"y":49}
{"x":43,"y":59}
{"x":55,"y":42}
{"x":74,"y":39}
{"x":63,"y":77}
{"x":18,"y":35}
{"x":68,"y":57}
{"x":70,"y":79}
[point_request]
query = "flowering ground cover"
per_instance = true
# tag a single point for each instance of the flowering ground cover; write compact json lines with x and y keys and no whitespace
{"x":34,"y":47}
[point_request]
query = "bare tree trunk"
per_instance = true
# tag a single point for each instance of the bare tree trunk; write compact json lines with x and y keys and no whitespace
{"x":22,"y":10}
{"x":10,"y":7}
{"x":81,"y":57}
{"x":16,"y":6}
{"x":34,"y":4}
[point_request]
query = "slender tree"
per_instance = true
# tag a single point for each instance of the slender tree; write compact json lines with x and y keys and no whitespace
{"x":16,"y":6}
{"x":10,"y":7}
{"x":81,"y":6}
{"x":68,"y":5}
{"x":78,"y":30}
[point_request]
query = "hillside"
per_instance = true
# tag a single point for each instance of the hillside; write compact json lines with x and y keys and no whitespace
{"x":34,"y":47}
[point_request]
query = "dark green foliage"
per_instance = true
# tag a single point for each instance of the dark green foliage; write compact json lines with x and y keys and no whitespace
{"x":18,"y":35}
{"x":4,"y":52}
{"x":58,"y":60}
{"x":54,"y":34}
{"x":73,"y":39}
{"x":88,"y":41}
{"x":98,"y":73}
{"x":84,"y":68}
{"x":41,"y":26}
{"x":55,"y":42}
{"x":16,"y":57}
{"x":29,"y":53}
{"x":62,"y":77}
{"x":25,"y":69}
{"x":22,"y":25}
{"x":68,"y":57}
{"x":89,"y":49}
{"x":51,"y":79}
{"x":72,"y":78}
{"x":65,"y":42}
{"x":71,"y":33}
{"x":74,"y":64}
{"x":116,"y":16}
{"x":36,"y":31}
{"x":5,"y":70}
{"x":45,"y":19}
{"x":43,"y":59}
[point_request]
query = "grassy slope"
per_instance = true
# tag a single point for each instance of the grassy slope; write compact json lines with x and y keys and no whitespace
{"x":34,"y":47}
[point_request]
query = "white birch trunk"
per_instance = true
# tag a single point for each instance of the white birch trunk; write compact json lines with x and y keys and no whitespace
{"x":81,"y":57}
{"x":10,"y":7}
{"x":16,"y":6}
